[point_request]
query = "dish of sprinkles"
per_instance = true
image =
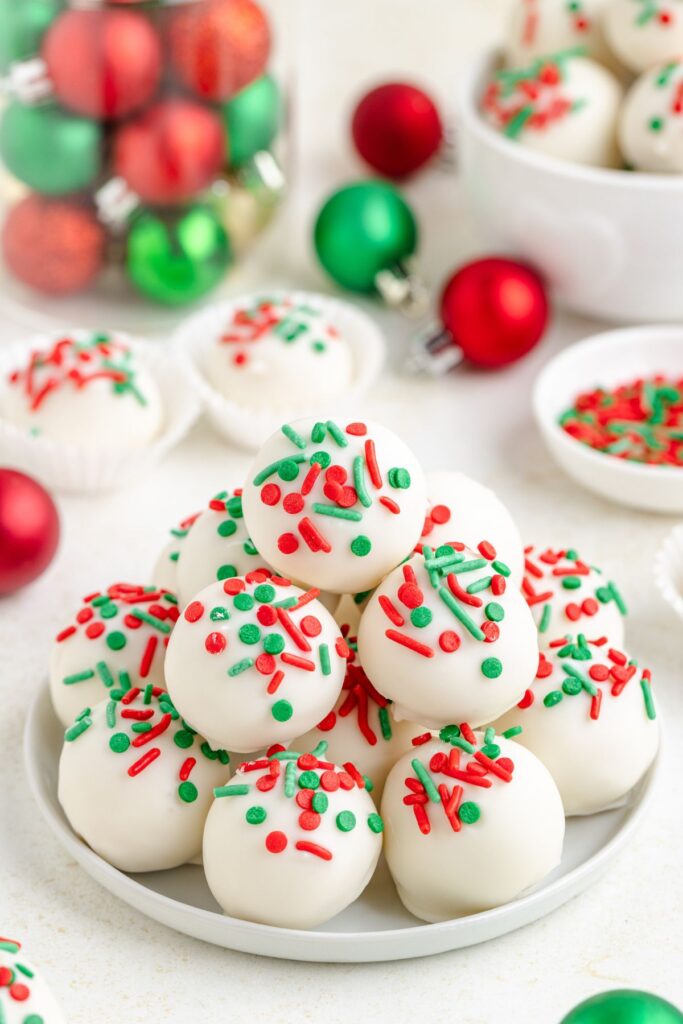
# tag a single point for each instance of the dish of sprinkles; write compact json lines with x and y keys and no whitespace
{"x":72,"y":364}
{"x":439,"y":786}
{"x":136,"y":718}
{"x":281,"y":319}
{"x":533,"y":98}
{"x":583,"y":668}
{"x":360,"y":698}
{"x":640,"y":421}
{"x":15,"y":981}
{"x":306,"y":780}
{"x":562,"y":577}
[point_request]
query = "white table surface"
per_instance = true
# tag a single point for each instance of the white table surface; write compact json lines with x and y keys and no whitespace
{"x":107,"y":962}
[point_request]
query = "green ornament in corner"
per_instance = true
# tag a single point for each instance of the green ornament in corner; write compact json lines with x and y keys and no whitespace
{"x":624,"y":1006}
{"x":22,"y":26}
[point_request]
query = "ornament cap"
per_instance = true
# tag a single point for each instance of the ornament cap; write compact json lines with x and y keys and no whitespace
{"x":262,"y":175}
{"x":115,"y":203}
{"x":434,"y":352}
{"x":27,"y":81}
{"x":402,"y":287}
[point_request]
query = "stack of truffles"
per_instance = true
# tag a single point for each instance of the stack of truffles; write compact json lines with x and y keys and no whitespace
{"x":351,"y":665}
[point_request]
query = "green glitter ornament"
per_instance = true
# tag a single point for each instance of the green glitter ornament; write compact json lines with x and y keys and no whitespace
{"x":252,"y":119}
{"x":624,"y":1006}
{"x":50,"y":150}
{"x":23,"y":24}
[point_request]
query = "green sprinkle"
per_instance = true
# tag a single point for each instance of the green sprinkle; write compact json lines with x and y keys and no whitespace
{"x":345,"y":821}
{"x":361,"y":545}
{"x":188,"y":792}
{"x":469,"y":812}
{"x":141,"y":726}
{"x":318,"y":433}
{"x":552,"y":698}
{"x":501,"y":568}
{"x":489,"y":735}
{"x":375,"y":823}
{"x":647,"y":697}
{"x":494,"y":611}
{"x":320,"y":748}
{"x":322,"y":458}
{"x":513,"y":731}
{"x":111,"y":714}
{"x":274,"y":467}
{"x":243,"y":602}
{"x":288,"y":470}
{"x":249,"y":633}
{"x":273,"y":643}
{"x":483,"y":584}
{"x":206,"y":750}
{"x":292,"y":435}
{"x":240,"y":666}
{"x":571,"y":686}
{"x":320,"y":802}
{"x":105,"y":673}
{"x":571,"y":583}
{"x":78,"y":677}
{"x":256,"y":815}
{"x":264,"y":593}
{"x":220,"y":791}
{"x":426,"y":780}
{"x":385,"y":723}
{"x":399,"y":478}
{"x":545,"y":618}
{"x":449,"y":733}
{"x":474,"y":563}
{"x":119,"y":743}
{"x":336,"y":434}
{"x":309,"y":780}
{"x":460,"y":614}
{"x":219,"y":614}
{"x":77,"y":729}
{"x":151,"y":620}
{"x":290,"y":779}
{"x":491,"y":750}
{"x":324,"y":655}
{"x":338,"y":513}
{"x":227,"y":528}
{"x":491,"y":668}
{"x":282,"y":711}
{"x":116,"y":641}
{"x":359,"y":481}
{"x":183,"y":739}
{"x":360,"y":596}
{"x":109,"y":611}
{"x":421,"y":617}
{"x":147,"y":694}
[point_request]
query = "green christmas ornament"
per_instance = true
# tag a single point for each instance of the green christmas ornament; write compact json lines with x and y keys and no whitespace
{"x":22,"y":25}
{"x":51,"y":151}
{"x":252,"y":120}
{"x":624,"y":1006}
{"x":177,"y":256}
{"x":365,"y":237}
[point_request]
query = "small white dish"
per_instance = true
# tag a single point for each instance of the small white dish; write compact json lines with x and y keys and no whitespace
{"x":610,"y":358}
{"x":248,"y":427}
{"x":68,"y":468}
{"x":374,"y":928}
{"x":668,"y":569}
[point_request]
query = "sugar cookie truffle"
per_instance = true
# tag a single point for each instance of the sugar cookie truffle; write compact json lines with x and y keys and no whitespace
{"x":644,"y":33}
{"x":292,"y":840}
{"x":278,"y":353}
{"x":86,"y":390}
{"x":563,"y":106}
{"x":335,"y":506}
{"x":447,"y":638}
{"x":567,"y":594}
{"x":651,"y":123}
{"x":255,"y":661}
{"x":117,"y":638}
{"x":471,"y":821}
{"x":590,"y":717}
{"x":361,"y":727}
{"x":136,"y":782}
{"x":462,"y":509}
{"x":24,"y":995}
{"x":539,"y":27}
{"x":165,"y":571}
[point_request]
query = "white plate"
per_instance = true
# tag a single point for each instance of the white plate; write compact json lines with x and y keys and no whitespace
{"x":374,"y":928}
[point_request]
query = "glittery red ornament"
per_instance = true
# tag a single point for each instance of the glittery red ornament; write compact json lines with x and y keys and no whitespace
{"x":103,"y":63}
{"x":171,"y":152}
{"x":396,"y":129}
{"x":495,"y":309}
{"x":29,"y":530}
{"x":54,"y":245}
{"x":218,"y":46}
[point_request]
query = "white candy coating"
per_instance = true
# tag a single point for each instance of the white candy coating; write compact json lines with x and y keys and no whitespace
{"x":644,"y":33}
{"x":107,"y":638}
{"x":250,"y":673}
{"x":376,"y":525}
{"x":25,"y":997}
{"x":277,"y":354}
{"x":568,"y":595}
{"x":540,"y":27}
{"x":254,"y":864}
{"x":515,"y":841}
{"x":86,"y":390}
{"x":461,"y":508}
{"x":565,"y":107}
{"x":456,"y":675}
{"x":138,"y":818}
{"x":595,"y":761}
{"x":165,"y":571}
{"x":651,"y":124}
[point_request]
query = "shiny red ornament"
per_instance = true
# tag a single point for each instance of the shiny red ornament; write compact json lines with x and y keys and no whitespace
{"x":218,"y":46}
{"x":171,"y":152}
{"x":29,"y":530}
{"x":103,"y":63}
{"x":56,"y":246}
{"x":396,"y":129}
{"x":496,"y":310}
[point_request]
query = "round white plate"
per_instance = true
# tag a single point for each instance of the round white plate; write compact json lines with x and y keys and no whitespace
{"x":374,"y":928}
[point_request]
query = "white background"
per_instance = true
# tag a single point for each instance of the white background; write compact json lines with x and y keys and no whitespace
{"x":106,"y":961}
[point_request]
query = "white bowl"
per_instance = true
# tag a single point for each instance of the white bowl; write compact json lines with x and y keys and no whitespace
{"x":668,"y":569}
{"x":608,"y":241}
{"x":610,"y":359}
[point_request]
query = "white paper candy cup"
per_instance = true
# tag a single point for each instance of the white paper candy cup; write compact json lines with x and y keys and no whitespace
{"x":668,"y":569}
{"x":66,"y":467}
{"x":246,"y":426}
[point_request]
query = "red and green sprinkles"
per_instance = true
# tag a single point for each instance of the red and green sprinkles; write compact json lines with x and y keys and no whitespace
{"x":275,"y":318}
{"x":360,"y":699}
{"x":532,"y":98}
{"x":15,"y":982}
{"x":649,"y":11}
{"x":228,"y":506}
{"x":545,"y":570}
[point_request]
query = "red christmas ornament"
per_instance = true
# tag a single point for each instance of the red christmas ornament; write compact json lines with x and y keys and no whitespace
{"x":103,"y":63}
{"x":171,"y":152}
{"x":54,"y":245}
{"x":396,"y":129}
{"x":29,"y":530}
{"x":218,"y":46}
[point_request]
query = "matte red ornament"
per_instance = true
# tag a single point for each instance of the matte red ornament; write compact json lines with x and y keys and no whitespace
{"x":103,"y":63}
{"x":29,"y":530}
{"x":218,"y":46}
{"x":56,"y":246}
{"x":396,"y":129}
{"x":495,"y":309}
{"x":171,"y":152}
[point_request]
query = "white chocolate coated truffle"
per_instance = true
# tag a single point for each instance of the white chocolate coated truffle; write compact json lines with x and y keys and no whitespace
{"x":644,"y":33}
{"x":651,"y":124}
{"x":165,"y":571}
{"x":24,"y":994}
{"x":136,"y":783}
{"x":469,"y":826}
{"x":279,"y":353}
{"x":567,"y":594}
{"x":87,"y":390}
{"x":117,"y":639}
{"x":540,"y":27}
{"x":291,"y":842}
{"x":255,"y":661}
{"x":562,"y":106}
{"x":336,"y":506}
{"x":461,"y":508}
{"x":448,"y":639}
{"x":590,"y":717}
